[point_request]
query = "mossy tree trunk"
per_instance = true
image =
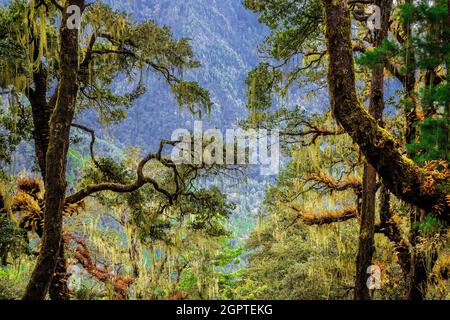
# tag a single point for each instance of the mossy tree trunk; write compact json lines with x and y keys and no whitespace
{"x":366,"y":246}
{"x":403,"y":178}
{"x":3,"y":247}
{"x":59,"y":290}
{"x":41,"y":110}
{"x":56,"y":160}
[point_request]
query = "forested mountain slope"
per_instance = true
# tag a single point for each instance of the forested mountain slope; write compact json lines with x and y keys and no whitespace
{"x":225,"y":37}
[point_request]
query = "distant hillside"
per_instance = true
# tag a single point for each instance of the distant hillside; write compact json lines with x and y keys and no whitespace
{"x":224,"y":36}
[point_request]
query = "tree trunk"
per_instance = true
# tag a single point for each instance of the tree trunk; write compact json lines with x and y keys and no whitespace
{"x":133,"y":252}
{"x":418,"y":277}
{"x":56,"y":161}
{"x":400,"y":174}
{"x":392,"y":231}
{"x":421,"y":261}
{"x":366,"y":246}
{"x":367,"y":220}
{"x":58,"y":287}
{"x":4,"y":256}
{"x":41,"y":111}
{"x":3,"y":248}
{"x":421,"y":265}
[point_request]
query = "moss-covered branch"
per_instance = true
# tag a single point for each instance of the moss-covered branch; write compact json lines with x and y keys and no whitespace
{"x":327,"y":217}
{"x":403,"y":178}
{"x":349,"y":183}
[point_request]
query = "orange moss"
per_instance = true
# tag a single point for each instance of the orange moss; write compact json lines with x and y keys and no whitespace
{"x":327,"y":217}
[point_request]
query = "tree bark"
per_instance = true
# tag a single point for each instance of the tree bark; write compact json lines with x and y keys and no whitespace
{"x":422,"y":262}
{"x":392,"y":231}
{"x":3,"y":248}
{"x":56,"y":160}
{"x":133,"y":252}
{"x":418,"y":277}
{"x":42,"y":109}
{"x":41,"y":113}
{"x":59,"y":289}
{"x":400,"y":174}
{"x":366,"y":246}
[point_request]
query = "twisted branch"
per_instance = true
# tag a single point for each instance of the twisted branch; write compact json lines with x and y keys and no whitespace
{"x":140,"y":181}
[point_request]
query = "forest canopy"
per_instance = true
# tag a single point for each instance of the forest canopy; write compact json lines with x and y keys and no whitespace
{"x":356,"y":91}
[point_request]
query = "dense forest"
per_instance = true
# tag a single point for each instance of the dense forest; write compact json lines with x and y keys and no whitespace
{"x":94,"y":205}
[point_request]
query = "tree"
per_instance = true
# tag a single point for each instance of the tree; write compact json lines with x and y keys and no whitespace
{"x":399,"y":173}
{"x":296,"y":31}
{"x":110,"y":44}
{"x":376,"y":108}
{"x":377,"y":145}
